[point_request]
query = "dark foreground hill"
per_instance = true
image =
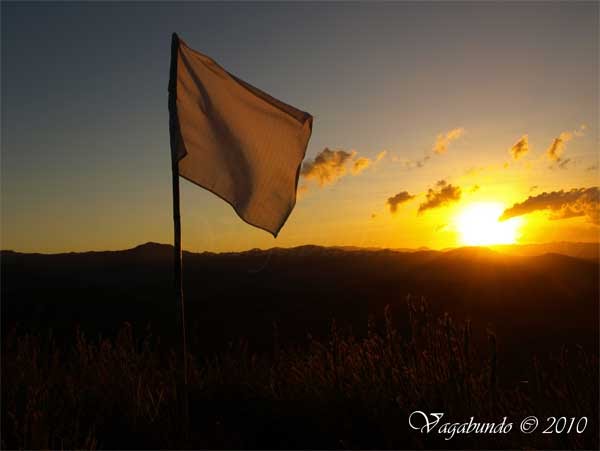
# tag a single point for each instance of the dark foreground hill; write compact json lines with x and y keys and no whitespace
{"x":534,"y":302}
{"x":348,"y":386}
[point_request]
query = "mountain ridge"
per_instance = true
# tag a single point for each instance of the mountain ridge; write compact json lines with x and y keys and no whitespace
{"x":582,"y":250}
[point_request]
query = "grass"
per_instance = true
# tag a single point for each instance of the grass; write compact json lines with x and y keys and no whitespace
{"x":341,"y":392}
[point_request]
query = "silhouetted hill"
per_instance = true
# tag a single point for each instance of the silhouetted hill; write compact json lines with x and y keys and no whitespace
{"x":589,"y":251}
{"x":531,"y":302}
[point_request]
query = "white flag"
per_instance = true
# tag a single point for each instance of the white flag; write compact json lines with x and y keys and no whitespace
{"x":235,"y":140}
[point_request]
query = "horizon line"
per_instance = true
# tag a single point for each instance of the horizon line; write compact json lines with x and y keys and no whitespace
{"x":372,"y":248}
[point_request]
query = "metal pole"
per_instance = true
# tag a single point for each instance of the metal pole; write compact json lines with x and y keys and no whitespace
{"x":182,"y":393}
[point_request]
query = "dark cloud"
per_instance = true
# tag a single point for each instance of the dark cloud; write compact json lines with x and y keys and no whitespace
{"x":520,"y":148}
{"x":330,"y":165}
{"x":420,"y":163}
{"x":561,"y":204}
{"x":360,"y":165}
{"x":443,"y":195}
{"x":398,"y":199}
{"x":412,"y":164}
{"x":557,"y":147}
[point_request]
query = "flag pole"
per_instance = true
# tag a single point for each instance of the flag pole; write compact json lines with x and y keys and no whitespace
{"x":182,"y":392}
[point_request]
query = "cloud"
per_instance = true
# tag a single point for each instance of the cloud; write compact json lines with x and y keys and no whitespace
{"x":411,"y":164}
{"x":420,"y":163}
{"x":520,"y":148}
{"x":360,"y":165}
{"x":443,"y":140}
{"x":440,"y":146}
{"x":563,"y":163}
{"x":400,"y":198}
{"x":557,"y":147}
{"x":443,"y":195}
{"x":562,"y":204}
{"x":301,"y":191}
{"x":380,"y":156}
{"x":330,"y":165}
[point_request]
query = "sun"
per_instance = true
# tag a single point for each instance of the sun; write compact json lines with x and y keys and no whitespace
{"x":478,"y":225}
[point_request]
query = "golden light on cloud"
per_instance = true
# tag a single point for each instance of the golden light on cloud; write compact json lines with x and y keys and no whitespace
{"x":478,"y":225}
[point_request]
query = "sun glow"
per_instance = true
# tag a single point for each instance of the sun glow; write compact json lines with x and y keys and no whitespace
{"x":478,"y":225}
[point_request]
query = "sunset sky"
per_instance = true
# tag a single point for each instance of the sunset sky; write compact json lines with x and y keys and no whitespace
{"x":435,"y":117}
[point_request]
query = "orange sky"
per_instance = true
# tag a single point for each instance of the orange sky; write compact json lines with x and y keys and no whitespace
{"x":434,"y":106}
{"x":352,"y":209}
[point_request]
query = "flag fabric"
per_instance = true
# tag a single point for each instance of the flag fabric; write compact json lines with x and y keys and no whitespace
{"x":235,"y":140}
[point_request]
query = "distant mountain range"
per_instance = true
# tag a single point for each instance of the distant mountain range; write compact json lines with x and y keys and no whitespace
{"x":534,"y":303}
{"x":588,"y":251}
